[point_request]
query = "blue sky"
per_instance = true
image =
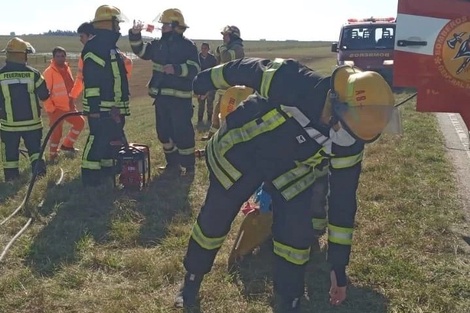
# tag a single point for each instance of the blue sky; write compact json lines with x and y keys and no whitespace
{"x":299,"y":20}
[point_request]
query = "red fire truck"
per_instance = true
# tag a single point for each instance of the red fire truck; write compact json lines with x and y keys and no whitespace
{"x":432,"y":54}
{"x":368,"y":44}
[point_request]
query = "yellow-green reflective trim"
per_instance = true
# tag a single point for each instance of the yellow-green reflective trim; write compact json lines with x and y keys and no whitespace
{"x":195,"y":64}
{"x":345,"y":162}
{"x":136,"y":43}
{"x":184,"y":70}
{"x":92,"y":165}
{"x":4,"y":156}
{"x":223,"y":179}
{"x":302,"y":184}
{"x":33,"y":125}
{"x":290,"y":254}
{"x":188,"y":151}
{"x":216,"y":154}
{"x":94,"y":58}
{"x":232,"y":54}
{"x":340,"y":235}
{"x":11,"y":164}
{"x":33,"y":157}
{"x":24,"y":78}
{"x":106,"y":162}
{"x":268,"y":76}
{"x":39,"y":82}
{"x":319,"y":223}
{"x":316,"y":159}
{"x":92,"y":92}
{"x":204,"y":241}
{"x":217,"y":77}
{"x":117,"y":78}
{"x":283,"y":180}
{"x":171,"y":92}
{"x":157,"y":67}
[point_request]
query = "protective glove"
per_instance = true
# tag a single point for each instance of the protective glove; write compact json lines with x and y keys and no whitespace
{"x":264,"y":199}
{"x":338,"y":284}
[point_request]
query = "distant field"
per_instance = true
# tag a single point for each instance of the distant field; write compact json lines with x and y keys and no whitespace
{"x":305,"y":51}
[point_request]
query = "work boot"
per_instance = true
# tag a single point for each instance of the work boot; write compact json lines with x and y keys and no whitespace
{"x":11,"y":174}
{"x":38,"y":167}
{"x":189,"y":291}
{"x":68,"y":149}
{"x":170,"y":168}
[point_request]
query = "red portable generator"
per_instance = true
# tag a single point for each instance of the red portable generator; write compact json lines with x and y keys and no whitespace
{"x":133,"y":164}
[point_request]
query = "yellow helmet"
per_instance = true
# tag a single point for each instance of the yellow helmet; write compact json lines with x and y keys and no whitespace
{"x":362,"y":101}
{"x":19,"y":45}
{"x":108,"y":13}
{"x":173,"y":16}
{"x":231,"y":30}
{"x":232,"y":98}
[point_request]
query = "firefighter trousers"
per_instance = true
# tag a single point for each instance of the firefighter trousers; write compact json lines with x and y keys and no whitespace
{"x":271,"y":156}
{"x":10,"y":142}
{"x":175,"y":129}
{"x":209,"y":100}
{"x":99,"y":154}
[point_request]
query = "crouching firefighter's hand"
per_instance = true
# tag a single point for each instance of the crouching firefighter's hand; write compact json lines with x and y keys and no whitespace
{"x":338,"y":285}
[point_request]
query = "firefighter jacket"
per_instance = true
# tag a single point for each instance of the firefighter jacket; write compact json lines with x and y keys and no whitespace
{"x":78,"y":84}
{"x":59,"y":97}
{"x":231,"y":51}
{"x":295,"y":91}
{"x":22,"y":88}
{"x":104,"y":74}
{"x":174,"y":49}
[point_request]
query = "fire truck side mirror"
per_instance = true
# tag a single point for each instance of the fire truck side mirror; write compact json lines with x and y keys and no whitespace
{"x":334,"y":47}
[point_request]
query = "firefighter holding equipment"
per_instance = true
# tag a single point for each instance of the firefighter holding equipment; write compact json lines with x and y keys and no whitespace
{"x":297,"y":127}
{"x":20,"y":110}
{"x":106,"y":96}
{"x":175,"y":62}
{"x":231,"y":49}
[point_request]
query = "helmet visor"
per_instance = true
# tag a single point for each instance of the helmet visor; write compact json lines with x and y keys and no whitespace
{"x":368,"y":122}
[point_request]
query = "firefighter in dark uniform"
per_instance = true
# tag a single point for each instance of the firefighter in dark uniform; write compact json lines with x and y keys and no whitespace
{"x":298,"y":126}
{"x":175,"y":62}
{"x":20,"y":110}
{"x":106,"y":95}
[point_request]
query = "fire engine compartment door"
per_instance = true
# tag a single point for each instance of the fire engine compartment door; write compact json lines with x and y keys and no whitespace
{"x":432,"y":52}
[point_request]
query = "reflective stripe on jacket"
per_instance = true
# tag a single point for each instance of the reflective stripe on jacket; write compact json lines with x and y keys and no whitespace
{"x":78,"y":84}
{"x":21,"y":88}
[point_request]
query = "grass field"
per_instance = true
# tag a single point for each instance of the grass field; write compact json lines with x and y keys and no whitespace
{"x":109,"y":251}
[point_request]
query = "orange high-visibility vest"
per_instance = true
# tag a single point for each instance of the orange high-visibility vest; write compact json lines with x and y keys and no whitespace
{"x":59,"y":97}
{"x":78,"y":86}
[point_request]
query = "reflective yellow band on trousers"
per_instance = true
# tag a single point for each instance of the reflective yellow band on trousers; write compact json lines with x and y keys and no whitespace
{"x":340,"y":235}
{"x":204,"y":241}
{"x":345,"y":162}
{"x":319,"y":223}
{"x":290,"y":254}
{"x":217,"y":147}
